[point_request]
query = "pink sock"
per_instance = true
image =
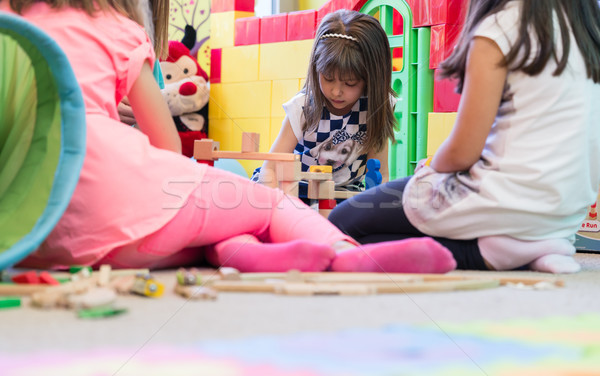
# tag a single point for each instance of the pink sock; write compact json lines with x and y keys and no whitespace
{"x":415,"y":255}
{"x":248,"y":254}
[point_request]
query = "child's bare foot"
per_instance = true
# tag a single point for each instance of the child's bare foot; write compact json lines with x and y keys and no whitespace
{"x":414,"y":255}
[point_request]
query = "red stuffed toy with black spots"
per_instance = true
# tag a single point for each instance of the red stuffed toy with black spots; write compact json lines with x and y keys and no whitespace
{"x":186,"y":91}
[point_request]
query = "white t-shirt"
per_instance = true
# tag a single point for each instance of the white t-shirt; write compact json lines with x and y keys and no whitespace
{"x":539,"y":170}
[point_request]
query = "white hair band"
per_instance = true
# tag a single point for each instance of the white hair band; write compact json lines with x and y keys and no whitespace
{"x":339,"y":36}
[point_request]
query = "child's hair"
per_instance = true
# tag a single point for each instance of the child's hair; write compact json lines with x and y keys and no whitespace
{"x":582,"y":16}
{"x":128,"y":8}
{"x":366,"y":55}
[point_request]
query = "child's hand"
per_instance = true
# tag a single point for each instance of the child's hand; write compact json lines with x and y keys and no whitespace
{"x":125,"y":112}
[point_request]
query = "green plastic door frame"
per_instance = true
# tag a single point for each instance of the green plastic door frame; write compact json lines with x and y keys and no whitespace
{"x":413,"y":84}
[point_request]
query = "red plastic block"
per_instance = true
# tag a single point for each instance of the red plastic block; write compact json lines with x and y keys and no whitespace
{"x":327,"y":204}
{"x":30,"y":277}
{"x":47,"y":279}
{"x":448,"y":11}
{"x":445,"y":99}
{"x":421,"y":12}
{"x":273,"y":28}
{"x":217,"y":6}
{"x":215,"y":65}
{"x":323,"y":11}
{"x":443,"y":40}
{"x":302,"y":25}
{"x":357,"y":4}
{"x":247,"y":31}
{"x":341,"y":4}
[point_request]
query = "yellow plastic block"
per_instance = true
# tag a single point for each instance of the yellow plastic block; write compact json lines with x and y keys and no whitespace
{"x":221,"y":130}
{"x":284,"y":60}
{"x":222,"y":27}
{"x":283,"y":91}
{"x":246,"y":100}
{"x":215,"y":101}
{"x":438,"y":128}
{"x":239,"y":64}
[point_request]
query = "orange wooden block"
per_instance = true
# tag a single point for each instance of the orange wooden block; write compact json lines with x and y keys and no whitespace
{"x":250,"y":142}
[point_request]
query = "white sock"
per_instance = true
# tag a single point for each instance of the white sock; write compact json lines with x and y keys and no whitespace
{"x":555,"y":264}
{"x":506,"y":253}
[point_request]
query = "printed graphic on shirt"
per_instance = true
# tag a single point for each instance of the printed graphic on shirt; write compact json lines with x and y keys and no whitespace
{"x":338,"y":142}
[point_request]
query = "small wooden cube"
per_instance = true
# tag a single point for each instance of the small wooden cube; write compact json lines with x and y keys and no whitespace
{"x":250,"y":142}
{"x":203,"y":149}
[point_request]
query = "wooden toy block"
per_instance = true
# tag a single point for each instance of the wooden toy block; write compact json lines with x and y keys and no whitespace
{"x":218,"y":6}
{"x":123,"y":284}
{"x":48,"y":299}
{"x":246,"y":100}
{"x":327,"y":204}
{"x":313,"y":190}
{"x":96,"y":297}
{"x":21,"y":289}
{"x":439,"y":127}
{"x":146,"y":285}
{"x":188,"y":277}
{"x":288,"y":170}
{"x":365,"y":283}
{"x":196,"y":292}
{"x":250,"y":142}
{"x":48,"y":279}
{"x":321,"y":190}
{"x":316,"y":176}
{"x":229,"y":274}
{"x":443,"y":40}
{"x":215,"y":68}
{"x":239,"y":64}
{"x":104,"y":275}
{"x":281,"y":92}
{"x":222,"y":27}
{"x":280,"y":61}
{"x":247,"y":31}
{"x":322,"y":169}
{"x":445,"y":98}
{"x":273,"y":28}
{"x":302,"y":25}
{"x":289,"y":188}
{"x":29,"y":277}
{"x":204,"y":149}
{"x":326,"y":190}
{"x":344,"y":195}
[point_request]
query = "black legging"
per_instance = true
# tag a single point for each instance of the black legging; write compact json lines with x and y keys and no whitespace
{"x":377,"y":215}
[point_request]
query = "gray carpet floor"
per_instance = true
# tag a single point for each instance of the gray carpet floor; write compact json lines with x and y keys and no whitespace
{"x":172,"y":319}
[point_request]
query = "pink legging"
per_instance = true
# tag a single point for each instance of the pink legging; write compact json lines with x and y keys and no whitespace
{"x":223,"y":206}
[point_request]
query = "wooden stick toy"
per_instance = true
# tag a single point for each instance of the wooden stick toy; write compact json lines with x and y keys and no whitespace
{"x":331,"y":283}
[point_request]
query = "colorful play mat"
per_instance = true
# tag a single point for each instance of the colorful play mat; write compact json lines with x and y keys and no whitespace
{"x":541,"y":347}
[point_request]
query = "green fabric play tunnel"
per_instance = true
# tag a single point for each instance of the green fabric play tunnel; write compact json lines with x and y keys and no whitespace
{"x":42,"y":136}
